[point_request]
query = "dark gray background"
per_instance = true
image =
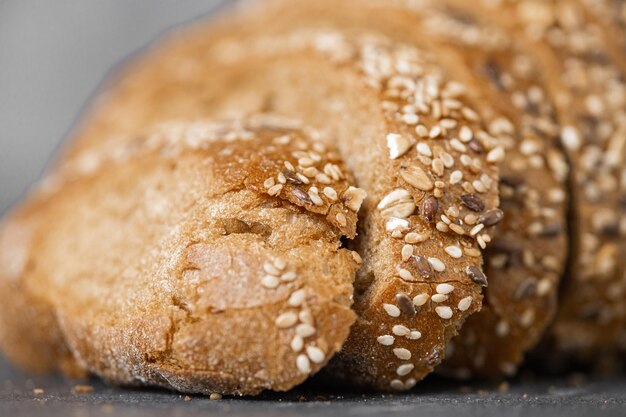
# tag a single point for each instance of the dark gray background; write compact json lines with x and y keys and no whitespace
{"x":53,"y":55}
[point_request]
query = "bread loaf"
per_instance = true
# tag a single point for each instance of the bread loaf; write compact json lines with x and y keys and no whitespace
{"x":202,"y":257}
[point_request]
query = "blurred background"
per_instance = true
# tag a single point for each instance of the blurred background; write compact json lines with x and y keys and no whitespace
{"x":53,"y":56}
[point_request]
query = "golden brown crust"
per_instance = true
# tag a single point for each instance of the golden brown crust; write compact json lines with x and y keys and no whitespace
{"x":588,"y":87}
{"x":397,"y":119}
{"x":168,"y":262}
{"x":530,"y":248}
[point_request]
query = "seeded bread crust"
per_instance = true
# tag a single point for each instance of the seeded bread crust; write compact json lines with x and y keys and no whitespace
{"x":200,"y":258}
{"x":528,"y":254}
{"x":397,"y":120}
{"x":589,"y":92}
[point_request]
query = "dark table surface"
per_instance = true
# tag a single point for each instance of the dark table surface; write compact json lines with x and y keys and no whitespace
{"x":569,"y":395}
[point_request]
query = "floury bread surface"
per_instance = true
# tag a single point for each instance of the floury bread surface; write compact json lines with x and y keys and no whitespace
{"x":203,"y":257}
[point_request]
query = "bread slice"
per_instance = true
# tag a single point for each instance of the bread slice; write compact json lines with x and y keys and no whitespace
{"x":395,"y":117}
{"x":203,"y":258}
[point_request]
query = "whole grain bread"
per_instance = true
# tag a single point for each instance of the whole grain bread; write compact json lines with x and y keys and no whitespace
{"x":397,"y":119}
{"x":202,"y":257}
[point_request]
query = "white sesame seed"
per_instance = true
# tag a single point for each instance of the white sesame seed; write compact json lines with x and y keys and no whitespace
{"x":400,"y":330}
{"x":502,"y":328}
{"x":477,"y":229}
{"x":465,"y":134}
{"x":305,"y":316}
{"x":410,"y":383}
{"x":397,"y":385}
{"x":398,"y":145}
{"x":306,"y":162}
{"x":570,"y":138}
{"x":286,"y":320}
{"x":405,"y":369}
{"x":288,"y":276}
{"x":315,"y":198}
{"x":297,"y":343}
{"x":402,"y":353}
{"x":322,"y":178}
{"x":297,"y":298}
{"x":437,"y":264}
{"x":410,"y":118}
{"x":414,"y":335}
{"x":465,"y":303}
{"x":424,"y":149}
{"x":444,"y":312}
{"x":457,"y":145}
{"x":281,"y":178}
{"x":392,"y":310}
{"x":413,"y":237}
{"x":303,"y":364}
{"x":275,"y":190}
{"x":271,"y":269}
{"x":454,"y":251}
{"x":305,"y":330}
{"x":270,"y":282}
{"x":330,"y":193}
{"x":420,"y":299}
{"x":439,"y":298}
{"x":445,"y":288}
{"x":434,"y":132}
{"x":406,"y":275}
{"x":341,"y":219}
{"x":353,"y":198}
{"x":303,"y":178}
{"x":385,"y":340}
{"x":421,"y":131}
{"x":315,"y":354}
{"x":496,"y":155}
{"x":269,"y":183}
{"x":456,"y":177}
{"x":407,"y":251}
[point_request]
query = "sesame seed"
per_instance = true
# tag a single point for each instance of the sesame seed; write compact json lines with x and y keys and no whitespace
{"x":444,"y":312}
{"x":323,"y":178}
{"x":315,"y":198}
{"x":400,"y":330}
{"x":435,"y":131}
{"x":454,"y":251}
{"x":303,"y":364}
{"x":305,"y":316}
{"x":457,"y":229}
{"x":302,"y":178}
{"x":402,"y":353}
{"x":466,"y":134}
{"x":410,"y":383}
{"x":392,"y":310}
{"x":306,"y":162}
{"x":457,"y":145}
{"x":438,"y":169}
{"x":357,"y":258}
{"x":502,"y":328}
{"x":269,"y":183}
{"x":437,"y":264}
{"x":289,"y":166}
{"x":465,"y":303}
{"x":421,"y":131}
{"x":424,"y":149}
{"x":270,"y":282}
{"x":330,"y":193}
{"x":297,"y":298}
{"x":404,"y":369}
{"x":286,"y":320}
{"x":297,"y":343}
{"x":275,"y":190}
{"x":496,"y":155}
{"x":305,"y":330}
{"x":385,"y":340}
{"x":341,"y":219}
{"x":570,"y":138}
{"x":439,"y":298}
{"x":398,"y":145}
{"x":315,"y":354}
{"x":281,"y":178}
{"x":271,"y":269}
{"x":395,"y":224}
{"x":406,"y":275}
{"x":288,"y":276}
{"x":407,"y":252}
{"x":397,"y":384}
{"x":420,"y":299}
{"x":456,"y":177}
{"x":413,"y":237}
{"x":414,"y":335}
{"x":445,"y":288}
{"x":410,"y":118}
{"x":477,"y":229}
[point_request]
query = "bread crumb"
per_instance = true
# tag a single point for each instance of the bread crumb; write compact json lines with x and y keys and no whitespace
{"x":82,"y":389}
{"x":38,"y":391}
{"x":215,"y":396}
{"x":504,"y":387}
